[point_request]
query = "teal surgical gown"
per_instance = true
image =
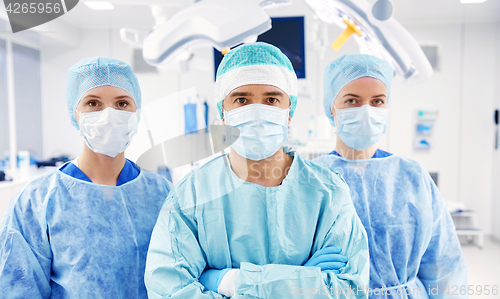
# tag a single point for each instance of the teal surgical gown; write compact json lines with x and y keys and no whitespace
{"x":62,"y":237}
{"x":213,"y":219}
{"x":414,"y":249}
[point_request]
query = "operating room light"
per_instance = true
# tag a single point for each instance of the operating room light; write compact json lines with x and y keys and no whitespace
{"x":472,"y":1}
{"x":98,"y":5}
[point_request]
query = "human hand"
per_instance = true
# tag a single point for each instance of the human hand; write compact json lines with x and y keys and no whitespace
{"x":211,"y":278}
{"x":328,"y":259}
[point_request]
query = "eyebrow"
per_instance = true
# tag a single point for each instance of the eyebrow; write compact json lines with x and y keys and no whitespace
{"x":240,"y":94}
{"x":356,"y":96}
{"x":91,"y":96}
{"x":117,"y":98}
{"x":246,"y":94}
{"x":351,"y":95}
{"x":274,"y":93}
{"x":122,"y":97}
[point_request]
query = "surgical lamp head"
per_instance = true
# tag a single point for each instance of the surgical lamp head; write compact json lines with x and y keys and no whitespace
{"x":257,"y":63}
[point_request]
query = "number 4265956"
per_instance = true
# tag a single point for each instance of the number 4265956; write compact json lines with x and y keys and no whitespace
{"x":33,"y":8}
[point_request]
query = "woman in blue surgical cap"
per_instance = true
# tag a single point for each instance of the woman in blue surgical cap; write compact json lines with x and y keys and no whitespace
{"x":414,"y":250}
{"x":83,"y":230}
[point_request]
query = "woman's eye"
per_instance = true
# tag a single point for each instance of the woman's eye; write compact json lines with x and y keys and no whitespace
{"x":351,"y":101}
{"x":241,"y":100}
{"x":92,"y":104}
{"x":272,"y":100}
{"x":122,"y":104}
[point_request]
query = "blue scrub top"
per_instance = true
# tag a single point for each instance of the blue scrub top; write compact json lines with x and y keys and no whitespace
{"x":129,"y":172}
{"x":378,"y":154}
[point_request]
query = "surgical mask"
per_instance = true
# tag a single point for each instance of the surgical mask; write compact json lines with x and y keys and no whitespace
{"x":109,"y":131}
{"x":361,"y":127}
{"x":263,"y":129}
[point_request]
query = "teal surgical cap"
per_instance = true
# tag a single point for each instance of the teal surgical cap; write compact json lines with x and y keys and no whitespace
{"x":90,"y":73}
{"x":348,"y":68}
{"x":257,"y":63}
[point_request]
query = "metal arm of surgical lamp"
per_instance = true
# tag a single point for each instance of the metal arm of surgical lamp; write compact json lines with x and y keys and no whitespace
{"x":377,"y":33}
{"x":381,"y":16}
{"x":219,"y":23}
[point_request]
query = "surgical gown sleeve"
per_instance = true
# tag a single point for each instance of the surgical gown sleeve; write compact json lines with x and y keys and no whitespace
{"x":25,"y":254}
{"x":176,"y":260}
{"x":442,"y":268}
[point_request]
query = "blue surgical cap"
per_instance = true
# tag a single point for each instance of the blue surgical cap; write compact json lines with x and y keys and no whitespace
{"x":257,"y":63}
{"x":90,"y":73}
{"x":348,"y":68}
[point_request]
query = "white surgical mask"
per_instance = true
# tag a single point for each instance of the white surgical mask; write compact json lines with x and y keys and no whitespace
{"x":361,"y":127}
{"x":263,"y":129}
{"x":109,"y":131}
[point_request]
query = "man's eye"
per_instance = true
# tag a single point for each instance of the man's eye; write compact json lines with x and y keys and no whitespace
{"x":379,"y":102}
{"x":241,"y":100}
{"x":272,"y":100}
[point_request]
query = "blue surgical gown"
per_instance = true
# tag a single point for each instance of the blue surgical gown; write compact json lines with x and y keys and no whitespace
{"x":414,"y":249}
{"x":213,"y":219}
{"x":129,"y":172}
{"x":62,"y":237}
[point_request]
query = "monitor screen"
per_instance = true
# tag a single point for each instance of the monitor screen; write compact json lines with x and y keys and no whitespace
{"x":287,"y":34}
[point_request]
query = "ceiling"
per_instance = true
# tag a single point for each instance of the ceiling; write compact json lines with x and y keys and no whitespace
{"x":406,"y":12}
{"x":129,"y":14}
{"x":446,"y":11}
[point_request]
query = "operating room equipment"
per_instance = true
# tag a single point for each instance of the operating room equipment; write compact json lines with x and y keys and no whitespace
{"x":190,"y":118}
{"x":54,"y":161}
{"x":496,"y":128}
{"x":233,"y":22}
{"x":219,"y":23}
{"x":381,"y":34}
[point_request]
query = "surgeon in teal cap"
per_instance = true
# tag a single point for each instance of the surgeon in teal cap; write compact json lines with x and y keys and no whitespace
{"x":414,"y":249}
{"x":261,"y":221}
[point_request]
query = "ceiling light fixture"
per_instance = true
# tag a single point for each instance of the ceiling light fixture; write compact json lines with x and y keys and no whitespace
{"x":472,"y":1}
{"x":98,"y":5}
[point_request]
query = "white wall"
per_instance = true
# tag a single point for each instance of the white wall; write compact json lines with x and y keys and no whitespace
{"x":476,"y":120}
{"x":464,"y":93}
{"x":495,"y":194}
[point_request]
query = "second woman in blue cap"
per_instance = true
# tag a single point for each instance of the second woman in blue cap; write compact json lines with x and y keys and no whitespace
{"x":414,"y":249}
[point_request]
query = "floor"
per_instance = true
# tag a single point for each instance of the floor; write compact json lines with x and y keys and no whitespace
{"x":483,"y":267}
